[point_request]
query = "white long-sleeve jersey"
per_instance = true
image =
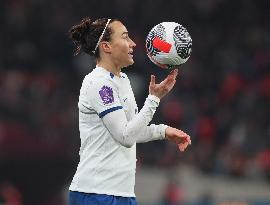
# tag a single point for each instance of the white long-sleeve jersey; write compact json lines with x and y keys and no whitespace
{"x":110,"y":126}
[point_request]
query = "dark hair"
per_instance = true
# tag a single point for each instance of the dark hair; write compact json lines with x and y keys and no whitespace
{"x":86,"y":34}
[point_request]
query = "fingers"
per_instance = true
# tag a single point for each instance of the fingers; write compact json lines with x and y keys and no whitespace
{"x":182,"y":147}
{"x":179,"y":137}
{"x":185,"y":141}
{"x":173,"y":74}
{"x":173,"y":71}
{"x":153,"y":80}
{"x":170,"y":79}
{"x":189,"y":140}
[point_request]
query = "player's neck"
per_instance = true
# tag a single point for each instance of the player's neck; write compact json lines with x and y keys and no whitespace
{"x":109,"y":66}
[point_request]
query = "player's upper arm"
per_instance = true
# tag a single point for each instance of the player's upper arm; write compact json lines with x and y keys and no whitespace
{"x":116,"y":123}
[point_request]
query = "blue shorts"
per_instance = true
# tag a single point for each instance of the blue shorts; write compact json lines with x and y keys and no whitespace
{"x":80,"y":198}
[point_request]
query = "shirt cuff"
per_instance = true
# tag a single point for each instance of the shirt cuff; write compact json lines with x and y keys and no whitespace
{"x":154,"y":98}
{"x":163,"y":131}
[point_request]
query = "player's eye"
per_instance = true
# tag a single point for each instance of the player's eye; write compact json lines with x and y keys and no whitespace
{"x":125,"y":36}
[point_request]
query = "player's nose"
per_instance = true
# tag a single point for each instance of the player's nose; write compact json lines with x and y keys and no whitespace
{"x":132,"y":43}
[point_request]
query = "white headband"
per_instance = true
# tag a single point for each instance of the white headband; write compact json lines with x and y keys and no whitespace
{"x":101,"y":36}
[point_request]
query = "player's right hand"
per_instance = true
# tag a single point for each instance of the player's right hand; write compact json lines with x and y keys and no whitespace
{"x":179,"y":137}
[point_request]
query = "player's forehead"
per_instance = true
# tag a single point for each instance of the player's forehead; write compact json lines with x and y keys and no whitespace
{"x":118,"y":28}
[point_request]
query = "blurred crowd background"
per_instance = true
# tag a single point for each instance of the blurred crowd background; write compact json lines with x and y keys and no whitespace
{"x":222,"y":96}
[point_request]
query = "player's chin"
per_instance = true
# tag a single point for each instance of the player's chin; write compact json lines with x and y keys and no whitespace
{"x":130,"y":61}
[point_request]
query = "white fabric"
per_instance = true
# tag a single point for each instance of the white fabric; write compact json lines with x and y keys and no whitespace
{"x":136,"y":130}
{"x":109,"y":129}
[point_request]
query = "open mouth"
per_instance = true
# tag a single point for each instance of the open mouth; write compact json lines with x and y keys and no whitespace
{"x":130,"y":53}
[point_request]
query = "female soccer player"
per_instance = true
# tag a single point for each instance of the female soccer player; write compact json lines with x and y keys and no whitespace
{"x":109,"y":122}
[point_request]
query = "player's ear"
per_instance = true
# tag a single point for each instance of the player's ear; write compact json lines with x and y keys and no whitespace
{"x":105,"y":46}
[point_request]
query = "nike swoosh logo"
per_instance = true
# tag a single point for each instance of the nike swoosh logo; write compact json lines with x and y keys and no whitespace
{"x":125,"y":99}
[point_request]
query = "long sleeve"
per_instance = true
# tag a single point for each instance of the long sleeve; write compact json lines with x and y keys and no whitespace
{"x":136,"y":130}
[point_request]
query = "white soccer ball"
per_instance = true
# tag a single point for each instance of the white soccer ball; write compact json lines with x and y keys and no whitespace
{"x":168,"y":45}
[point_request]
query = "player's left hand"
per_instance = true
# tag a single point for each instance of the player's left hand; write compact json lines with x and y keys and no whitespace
{"x":179,"y":137}
{"x":164,"y":87}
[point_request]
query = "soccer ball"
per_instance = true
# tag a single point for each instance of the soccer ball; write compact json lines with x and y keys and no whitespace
{"x":168,"y":45}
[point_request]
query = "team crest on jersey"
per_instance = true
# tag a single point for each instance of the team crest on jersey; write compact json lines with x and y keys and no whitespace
{"x":106,"y":94}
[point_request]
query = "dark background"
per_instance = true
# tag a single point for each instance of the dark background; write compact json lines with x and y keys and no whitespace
{"x":222,"y":97}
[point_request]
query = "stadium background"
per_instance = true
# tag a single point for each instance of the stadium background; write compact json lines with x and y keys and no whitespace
{"x":221,"y":99}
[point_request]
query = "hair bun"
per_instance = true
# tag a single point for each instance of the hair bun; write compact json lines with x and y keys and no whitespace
{"x":77,"y":32}
{"x":85,"y":24}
